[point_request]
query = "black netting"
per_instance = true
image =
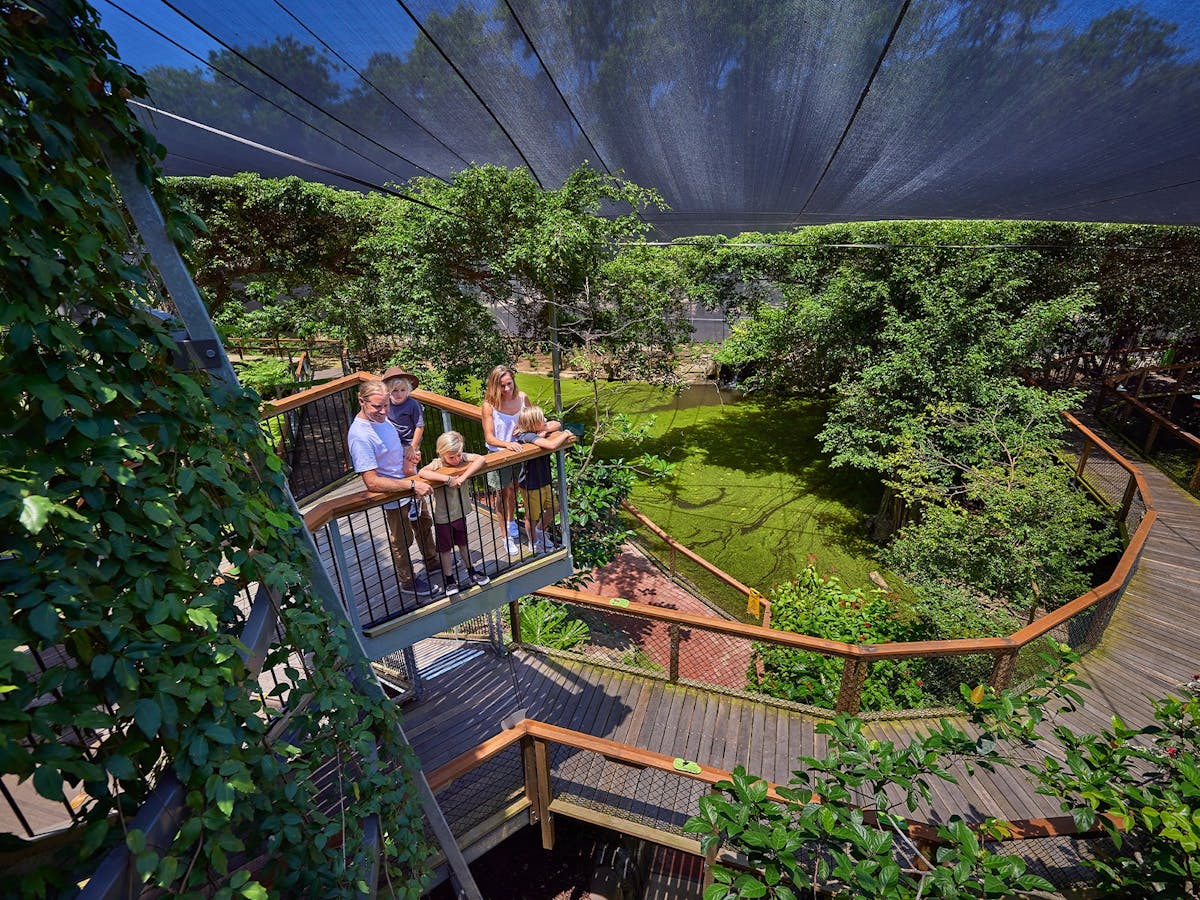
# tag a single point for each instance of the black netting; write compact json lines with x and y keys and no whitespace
{"x":745,"y":116}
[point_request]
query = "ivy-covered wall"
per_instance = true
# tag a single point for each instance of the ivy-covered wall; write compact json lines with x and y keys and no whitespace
{"x":135,"y":499}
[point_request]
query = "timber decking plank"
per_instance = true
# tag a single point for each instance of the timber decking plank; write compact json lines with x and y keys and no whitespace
{"x":1147,"y":650}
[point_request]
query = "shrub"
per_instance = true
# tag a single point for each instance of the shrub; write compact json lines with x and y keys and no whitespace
{"x":545,"y":623}
{"x":821,"y":606}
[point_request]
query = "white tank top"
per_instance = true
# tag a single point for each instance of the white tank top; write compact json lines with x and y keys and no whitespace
{"x":503,"y":427}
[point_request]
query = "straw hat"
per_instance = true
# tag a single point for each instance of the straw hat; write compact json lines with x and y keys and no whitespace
{"x":398,"y":372}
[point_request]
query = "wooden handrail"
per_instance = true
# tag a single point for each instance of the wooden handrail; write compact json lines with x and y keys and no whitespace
{"x":312,"y":394}
{"x":686,"y":551}
{"x":626,"y":754}
{"x":1154,"y":415}
{"x":323,"y":512}
{"x":1112,"y":380}
{"x":329,"y":388}
{"x":897,"y":649}
{"x":894,"y":650}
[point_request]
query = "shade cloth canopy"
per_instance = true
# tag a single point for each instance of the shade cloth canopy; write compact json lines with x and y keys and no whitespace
{"x":744,"y":115}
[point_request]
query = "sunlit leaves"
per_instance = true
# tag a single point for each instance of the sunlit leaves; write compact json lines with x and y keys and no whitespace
{"x":127,"y":488}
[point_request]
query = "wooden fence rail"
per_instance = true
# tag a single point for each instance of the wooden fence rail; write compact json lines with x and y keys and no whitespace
{"x":857,"y":658}
{"x":1128,"y":392}
{"x":537,"y":739}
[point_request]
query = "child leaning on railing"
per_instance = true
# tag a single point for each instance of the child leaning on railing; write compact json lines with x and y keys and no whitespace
{"x":537,"y":479}
{"x":450,"y":504}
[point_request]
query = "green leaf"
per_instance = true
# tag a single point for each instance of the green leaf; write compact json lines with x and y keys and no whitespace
{"x":44,"y":620}
{"x":35,"y":513}
{"x":120,"y":767}
{"x":148,"y":716}
{"x":47,"y":781}
{"x":158,"y":513}
{"x":750,"y":886}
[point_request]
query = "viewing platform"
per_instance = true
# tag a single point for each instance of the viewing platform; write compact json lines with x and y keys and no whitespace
{"x":510,"y":734}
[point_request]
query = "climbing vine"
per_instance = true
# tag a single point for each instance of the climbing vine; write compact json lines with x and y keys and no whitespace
{"x":136,"y":501}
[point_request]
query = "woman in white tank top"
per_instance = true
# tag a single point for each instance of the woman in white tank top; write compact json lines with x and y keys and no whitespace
{"x":502,"y":402}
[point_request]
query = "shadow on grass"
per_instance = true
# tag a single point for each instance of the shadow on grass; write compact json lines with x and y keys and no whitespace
{"x":758,"y":437}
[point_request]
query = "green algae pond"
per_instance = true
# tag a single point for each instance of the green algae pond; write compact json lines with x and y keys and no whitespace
{"x":751,"y":492}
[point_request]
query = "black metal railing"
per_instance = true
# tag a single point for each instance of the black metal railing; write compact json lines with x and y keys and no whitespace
{"x":385,"y":562}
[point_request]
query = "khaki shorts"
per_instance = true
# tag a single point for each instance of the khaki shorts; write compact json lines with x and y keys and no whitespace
{"x":502,"y":478}
{"x":537,"y":501}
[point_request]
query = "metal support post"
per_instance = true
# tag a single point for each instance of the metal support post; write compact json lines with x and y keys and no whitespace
{"x":165,"y":258}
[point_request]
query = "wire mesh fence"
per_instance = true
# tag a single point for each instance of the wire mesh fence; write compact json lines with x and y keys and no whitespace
{"x":649,"y":797}
{"x":311,"y":440}
{"x":484,"y":792}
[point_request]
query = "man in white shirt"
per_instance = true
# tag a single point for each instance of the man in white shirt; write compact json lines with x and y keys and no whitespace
{"x":378,"y":455}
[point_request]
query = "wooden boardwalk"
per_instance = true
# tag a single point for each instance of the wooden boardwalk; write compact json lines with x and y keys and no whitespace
{"x":1148,"y":650}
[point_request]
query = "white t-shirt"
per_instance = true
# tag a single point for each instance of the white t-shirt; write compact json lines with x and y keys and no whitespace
{"x":376,"y":445}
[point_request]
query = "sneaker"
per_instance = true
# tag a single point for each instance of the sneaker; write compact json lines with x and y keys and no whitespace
{"x":513,"y":534}
{"x":477,"y":576}
{"x":514,"y":549}
{"x":451,"y":585}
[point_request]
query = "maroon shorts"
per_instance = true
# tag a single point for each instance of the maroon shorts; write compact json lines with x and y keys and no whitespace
{"x":449,"y":534}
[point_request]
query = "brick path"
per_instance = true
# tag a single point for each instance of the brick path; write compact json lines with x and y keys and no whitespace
{"x":704,"y":657}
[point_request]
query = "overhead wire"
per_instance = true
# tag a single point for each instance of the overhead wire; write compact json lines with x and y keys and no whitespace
{"x":470,"y":87}
{"x":1165,"y":187}
{"x":862,"y":98}
{"x":785,"y":245}
{"x":241,"y":56}
{"x":353,"y":179}
{"x":386,"y":97}
{"x":553,"y":83}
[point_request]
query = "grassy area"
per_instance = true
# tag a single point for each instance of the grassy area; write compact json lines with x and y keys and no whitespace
{"x":752,"y":492}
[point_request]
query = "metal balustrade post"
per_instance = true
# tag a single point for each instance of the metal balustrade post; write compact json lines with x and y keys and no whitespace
{"x":854,"y":677}
{"x":514,"y":620}
{"x":562,"y":499}
{"x":496,"y":629}
{"x":342,"y":568}
{"x":414,"y":674}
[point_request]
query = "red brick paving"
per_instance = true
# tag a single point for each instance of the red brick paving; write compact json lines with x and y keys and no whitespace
{"x":703,"y":656}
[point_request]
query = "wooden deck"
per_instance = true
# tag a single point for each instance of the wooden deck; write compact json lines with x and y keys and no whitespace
{"x":1148,"y":650}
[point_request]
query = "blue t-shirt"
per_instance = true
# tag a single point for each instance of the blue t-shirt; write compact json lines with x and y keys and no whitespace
{"x":375,"y":445}
{"x":407,"y":417}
